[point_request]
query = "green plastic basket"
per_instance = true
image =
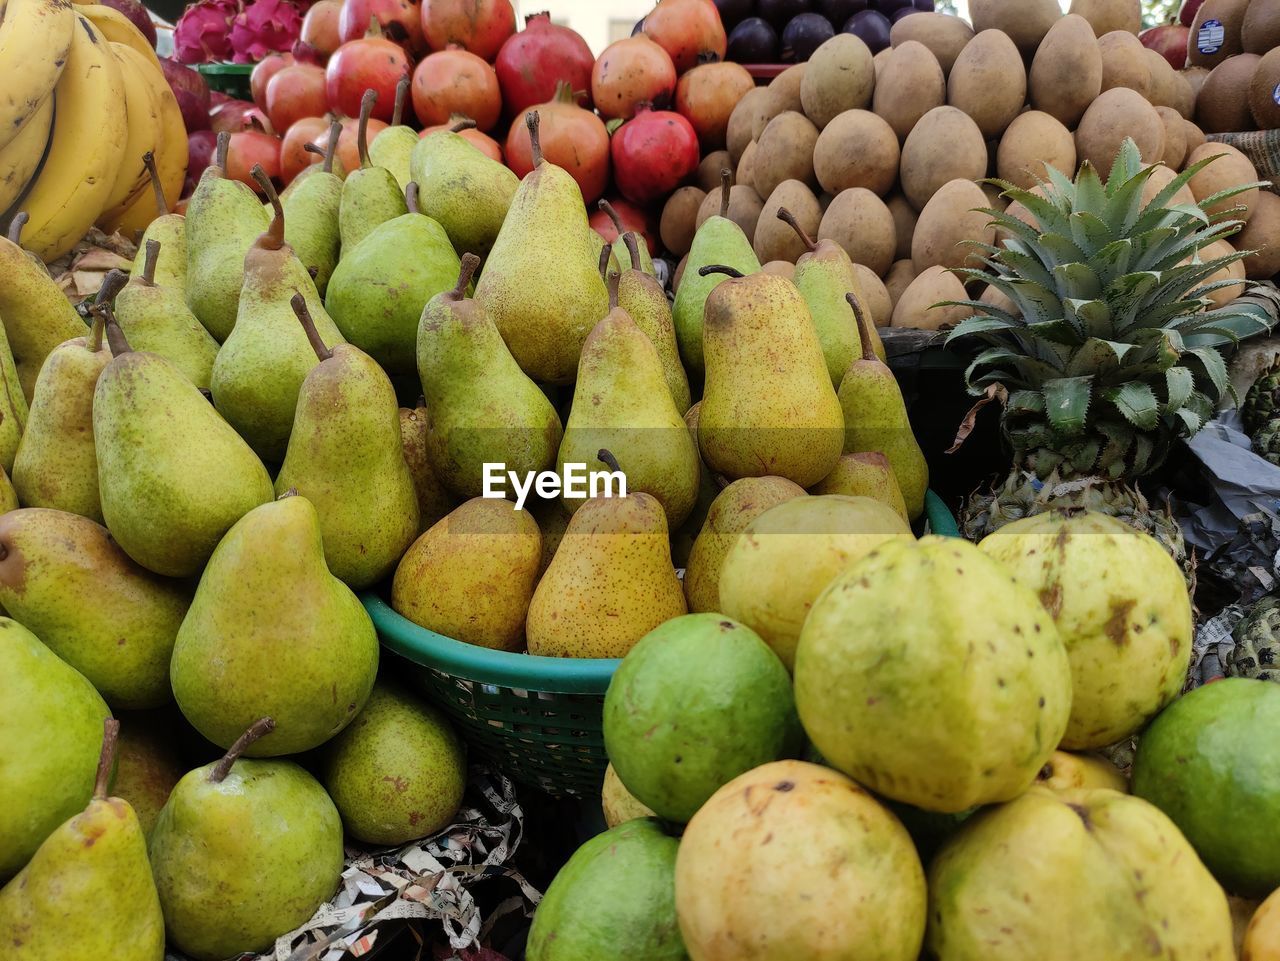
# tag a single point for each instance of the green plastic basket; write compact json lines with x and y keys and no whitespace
{"x":229,"y":78}
{"x":537,"y":719}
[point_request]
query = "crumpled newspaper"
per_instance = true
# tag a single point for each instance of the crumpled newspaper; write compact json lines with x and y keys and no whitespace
{"x":430,"y":879}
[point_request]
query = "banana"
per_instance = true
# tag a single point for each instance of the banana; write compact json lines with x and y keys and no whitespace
{"x":85,"y":152}
{"x":20,"y":158}
{"x":35,"y":36}
{"x":118,"y":28}
{"x":142,"y":111}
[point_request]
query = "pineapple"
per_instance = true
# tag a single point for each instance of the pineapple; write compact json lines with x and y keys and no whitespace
{"x":1262,"y":403}
{"x":1266,"y":442}
{"x":1257,"y":637}
{"x":1107,"y":360}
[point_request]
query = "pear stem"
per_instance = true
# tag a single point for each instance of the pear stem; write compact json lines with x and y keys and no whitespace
{"x":15,"y":226}
{"x":726,"y":186}
{"x":788,"y":218}
{"x":115,"y":336}
{"x":299,"y":305}
{"x":864,"y":330}
{"x":606,"y":457}
{"x":468,"y":269}
{"x":220,"y":153}
{"x":148,"y":277}
{"x":402,"y":89}
{"x":611,"y":284}
{"x":273,"y":239}
{"x":733,"y":272}
{"x":112,"y":284}
{"x":162,"y":205}
{"x":613,"y":215}
{"x":331,"y":148}
{"x":259,"y":728}
{"x":411,"y":197}
{"x":531,"y":121}
{"x":96,"y":331}
{"x":107,"y":758}
{"x":462,"y":123}
{"x":633,"y":248}
{"x":362,"y":132}
{"x":606,"y":252}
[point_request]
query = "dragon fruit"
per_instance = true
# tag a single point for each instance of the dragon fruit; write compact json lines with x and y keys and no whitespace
{"x":221,"y":30}
{"x":203,"y":34}
{"x":264,"y":27}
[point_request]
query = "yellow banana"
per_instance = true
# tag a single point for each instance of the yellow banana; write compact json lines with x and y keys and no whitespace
{"x":118,"y":28}
{"x":20,"y":157}
{"x":142,"y":111}
{"x":89,"y":134}
{"x":35,"y":36}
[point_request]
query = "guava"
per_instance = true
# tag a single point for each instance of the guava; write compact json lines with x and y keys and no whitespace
{"x":1210,"y":762}
{"x":619,"y":804}
{"x":1065,"y":771}
{"x":1262,"y":936}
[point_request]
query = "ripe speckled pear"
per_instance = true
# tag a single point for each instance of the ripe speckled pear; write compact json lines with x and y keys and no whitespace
{"x":864,"y":475}
{"x":345,"y":456}
{"x":643,"y":298}
{"x":434,"y":500}
{"x":311,"y":216}
{"x":541,"y":284}
{"x":370,"y":195}
{"x":169,"y":230}
{"x":14,"y":409}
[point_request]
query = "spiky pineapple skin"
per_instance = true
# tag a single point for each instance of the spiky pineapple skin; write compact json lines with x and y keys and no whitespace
{"x":1262,"y":403}
{"x":1266,"y":442}
{"x":1257,"y":651}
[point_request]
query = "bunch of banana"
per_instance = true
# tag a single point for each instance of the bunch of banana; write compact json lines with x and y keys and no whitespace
{"x":82,"y":100}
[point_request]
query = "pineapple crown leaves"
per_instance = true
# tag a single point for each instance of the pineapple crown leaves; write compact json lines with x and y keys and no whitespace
{"x":1107,"y":353}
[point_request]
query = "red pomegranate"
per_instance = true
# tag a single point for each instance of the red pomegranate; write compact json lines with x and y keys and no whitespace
{"x":706,"y":96}
{"x":347,"y":156}
{"x":373,"y":63}
{"x":688,"y":30}
{"x":232,"y":116}
{"x":263,"y":71}
{"x":631,"y":72}
{"x":480,"y":26}
{"x":294,"y":156}
{"x":455,"y":81}
{"x":1170,"y":41}
{"x":571,"y":137}
{"x":399,"y":20}
{"x":1187,"y":12}
{"x":249,"y":148}
{"x":295,"y":92}
{"x":652,"y":153}
{"x":320,"y":28}
{"x":192,"y":93}
{"x":481,"y":141}
{"x":634,"y":218}
{"x":532,"y":62}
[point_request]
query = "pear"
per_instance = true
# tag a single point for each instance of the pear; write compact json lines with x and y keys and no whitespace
{"x":370,"y":195}
{"x":393,"y":146}
{"x":621,"y":403}
{"x":462,"y":189}
{"x":823,"y":275}
{"x":271,"y":631}
{"x":260,"y":368}
{"x":13,"y":406}
{"x":610,"y":583}
{"x":51,"y":728}
{"x":768,"y":406}
{"x":540,"y":284}
{"x":471,"y":576}
{"x":483,"y":408}
{"x":174,"y":476}
{"x":345,"y":456}
{"x":737,"y":506}
{"x":169,"y":230}
{"x":311,"y":216}
{"x":709,"y":485}
{"x":243,"y":852}
{"x":597,"y":246}
{"x":553,"y":520}
{"x":64,"y":578}
{"x":156,"y":318}
{"x":865,"y":475}
{"x":87,"y":892}
{"x":397,"y":772}
{"x":223,"y":217}
{"x":377,"y":293}
{"x":148,"y":763}
{"x":36,"y":313}
{"x":621,"y":254}
{"x":434,"y":500}
{"x":8,"y":496}
{"x":718,"y":241}
{"x":643,"y":298}
{"x":876,"y":419}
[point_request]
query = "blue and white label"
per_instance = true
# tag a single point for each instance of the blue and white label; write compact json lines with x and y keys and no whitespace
{"x":1275,"y":93}
{"x":1211,"y":37}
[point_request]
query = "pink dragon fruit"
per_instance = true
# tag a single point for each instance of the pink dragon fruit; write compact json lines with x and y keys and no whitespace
{"x":203,"y":33}
{"x":264,"y":27}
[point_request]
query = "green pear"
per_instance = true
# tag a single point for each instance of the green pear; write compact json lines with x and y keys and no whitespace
{"x":65,"y":579}
{"x":51,"y":728}
{"x":156,"y":319}
{"x":370,"y":195}
{"x":8,"y":496}
{"x":865,"y":475}
{"x":483,"y":408}
{"x":271,"y":631}
{"x":541,"y":284}
{"x":398,"y":770}
{"x":621,"y":253}
{"x":876,"y":419}
{"x":823,"y":275}
{"x":169,"y":230}
{"x":621,"y":403}
{"x":718,"y":241}
{"x":462,"y":189}
{"x":260,"y":368}
{"x":737,"y":506}
{"x":243,"y":852}
{"x":597,"y":245}
{"x":377,"y":293}
{"x":148,"y":763}
{"x":434,"y":499}
{"x":223,"y":218}
{"x":311,"y":216}
{"x":174,"y":476}
{"x":393,"y":146}
{"x":768,"y":406}
{"x":345,"y":456}
{"x":88,"y":891}
{"x":13,"y":406}
{"x":643,"y":298}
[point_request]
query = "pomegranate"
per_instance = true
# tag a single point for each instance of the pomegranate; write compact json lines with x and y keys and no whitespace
{"x":571,"y":137}
{"x":294,"y":156}
{"x":652,"y":153}
{"x":252,"y":147}
{"x":688,"y":30}
{"x":1187,"y":12}
{"x":631,"y":72}
{"x":707,"y":94}
{"x":347,"y":156}
{"x":191,"y":91}
{"x":372,"y":63}
{"x":398,"y":20}
{"x":455,"y":81}
{"x":201,"y":146}
{"x":480,"y":26}
{"x":295,"y":92}
{"x":263,"y":71}
{"x":636,"y":219}
{"x":236,"y":115}
{"x":137,"y":15}
{"x":1170,"y":41}
{"x":482,"y":141}
{"x":531,"y":63}
{"x":320,"y":27}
